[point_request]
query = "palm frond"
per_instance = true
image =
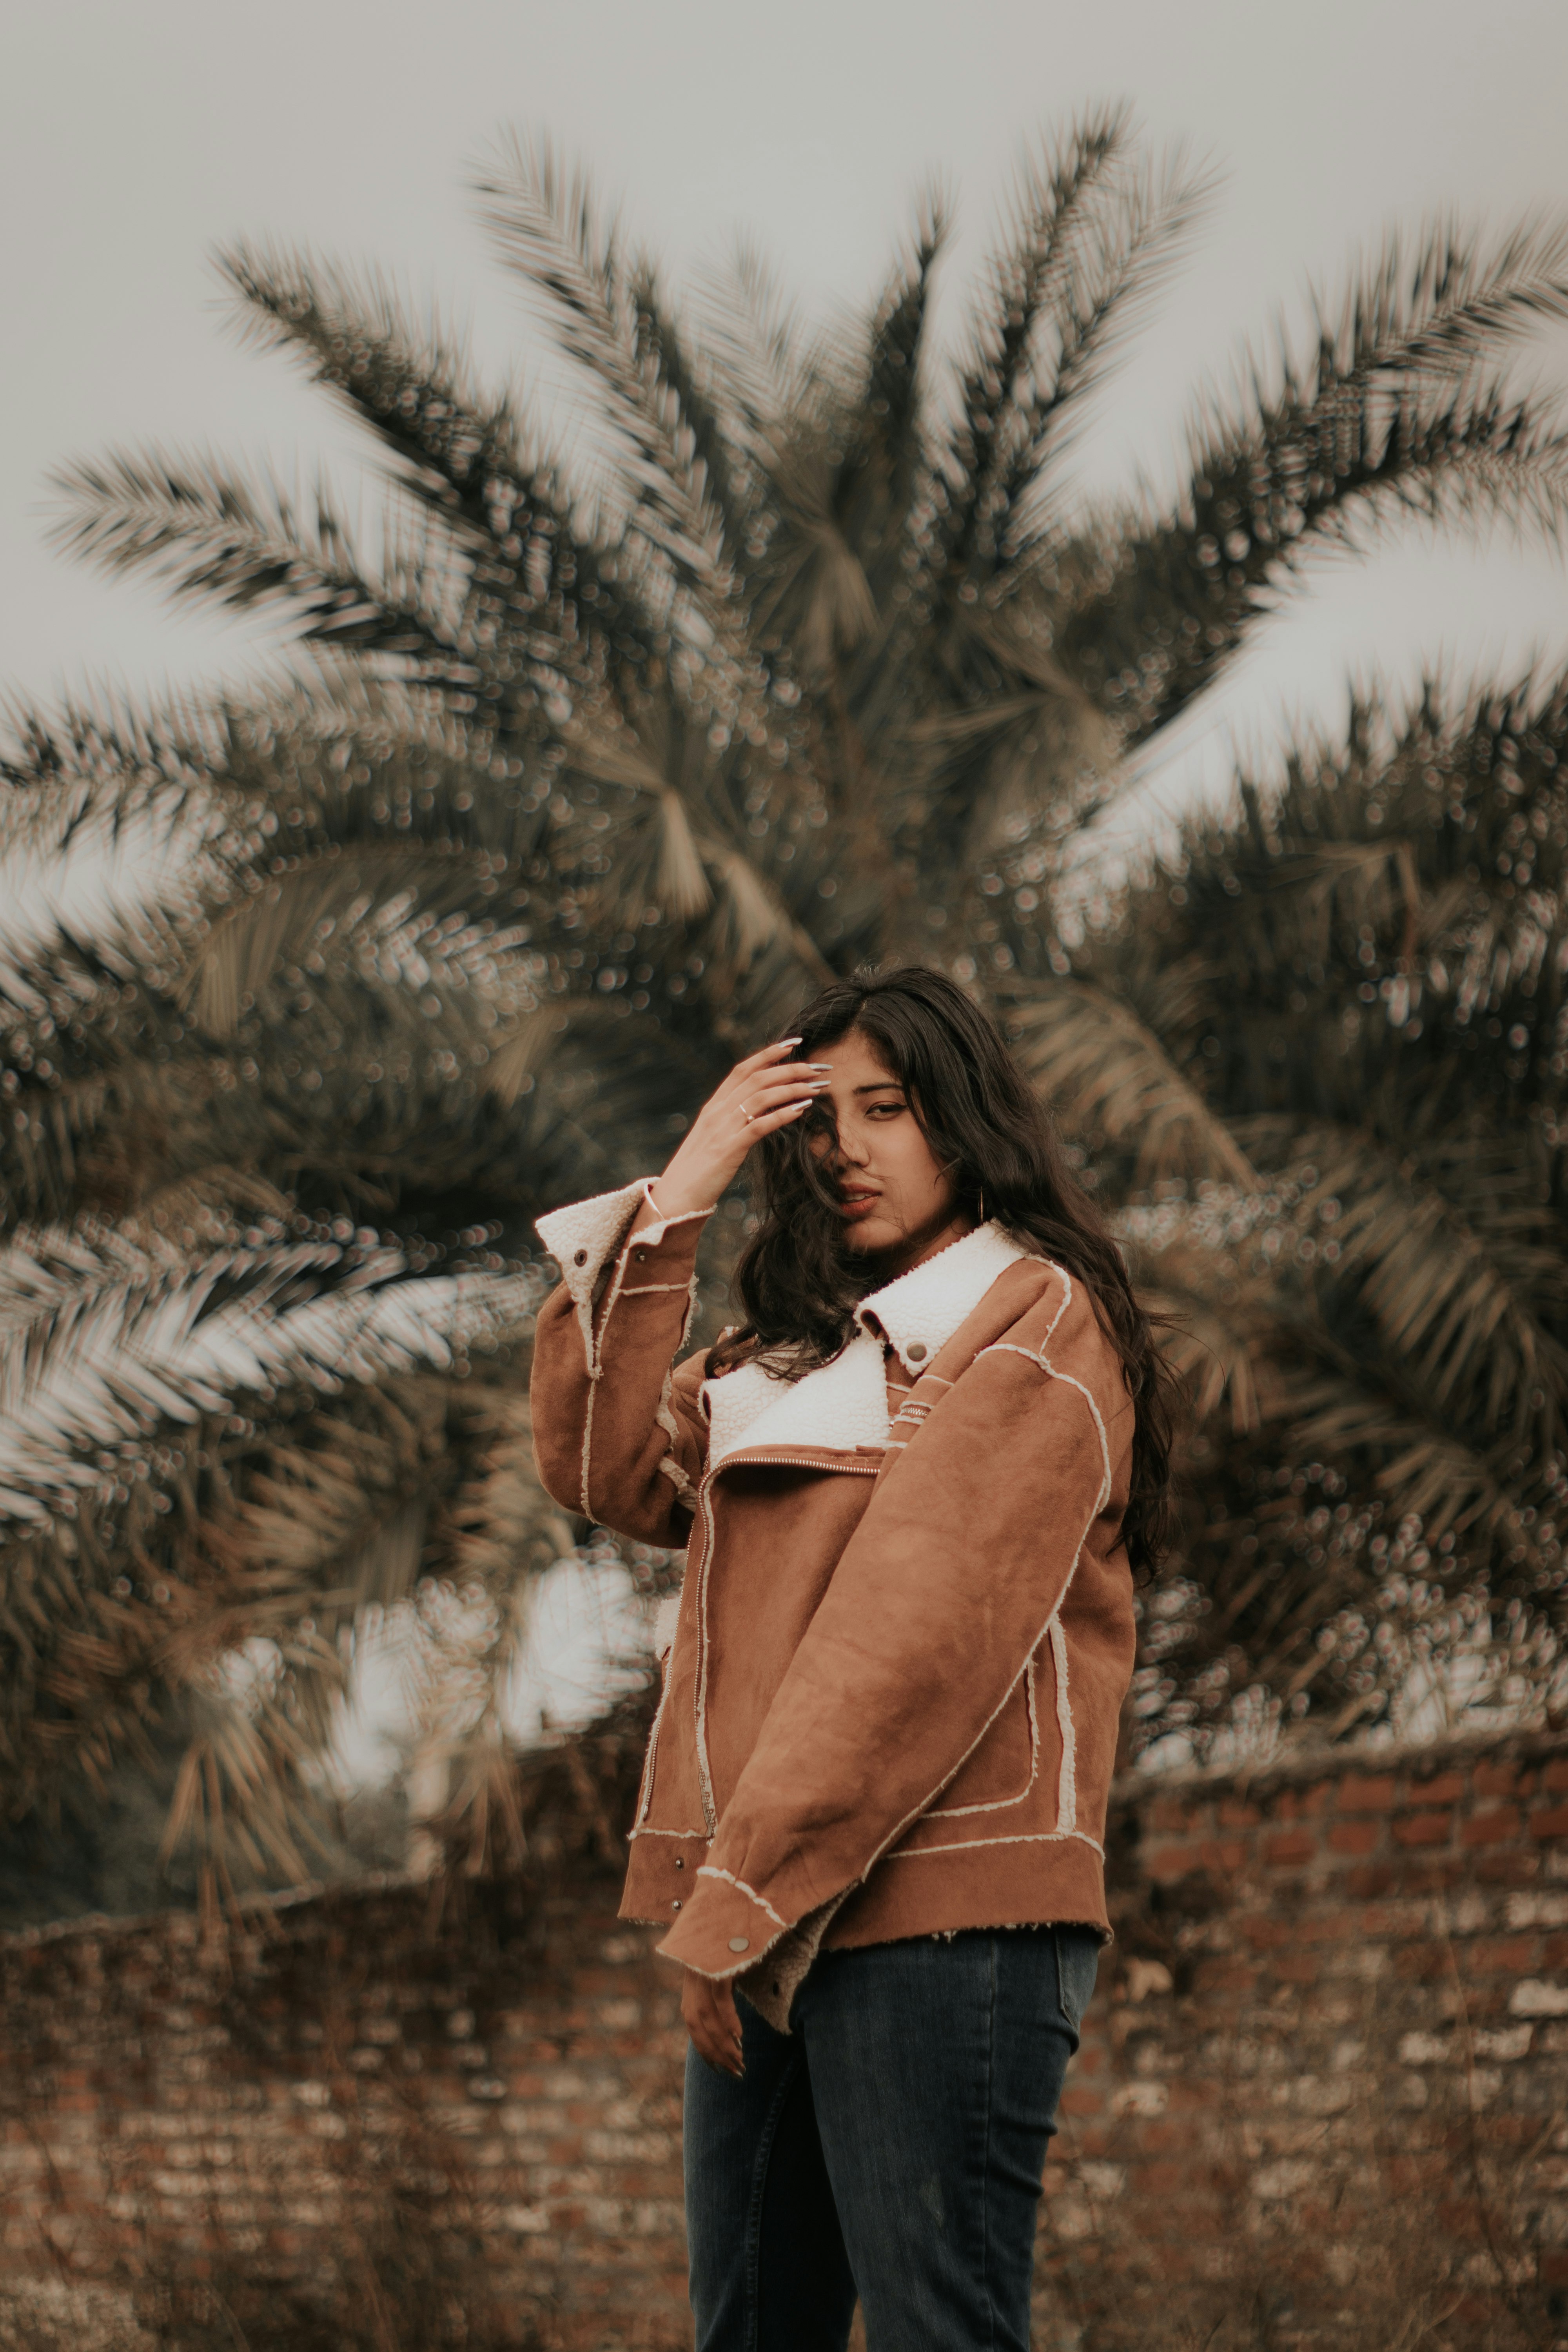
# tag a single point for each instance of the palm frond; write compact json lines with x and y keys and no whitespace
{"x":1397,"y":411}
{"x":413,"y":387}
{"x":215,"y":536}
{"x":1104,"y":1070}
{"x":546,"y":226}
{"x":1116,"y":260}
{"x":998,"y":386}
{"x":102,"y":1342}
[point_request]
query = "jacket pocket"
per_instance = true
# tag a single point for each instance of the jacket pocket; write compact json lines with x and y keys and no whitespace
{"x":1005,"y":1764}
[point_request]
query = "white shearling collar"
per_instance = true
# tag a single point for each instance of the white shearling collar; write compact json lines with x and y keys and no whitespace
{"x":838,"y":1406}
{"x":843,"y":1404}
{"x":921,"y":1311}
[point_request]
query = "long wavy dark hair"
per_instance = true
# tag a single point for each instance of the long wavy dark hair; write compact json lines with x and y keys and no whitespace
{"x":798,"y":1285}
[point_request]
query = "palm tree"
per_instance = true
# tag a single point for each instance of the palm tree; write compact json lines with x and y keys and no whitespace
{"x":1320,"y":1050}
{"x":813,"y":656}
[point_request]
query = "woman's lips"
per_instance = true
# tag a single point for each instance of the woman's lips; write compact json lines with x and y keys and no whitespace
{"x":853,"y":1205}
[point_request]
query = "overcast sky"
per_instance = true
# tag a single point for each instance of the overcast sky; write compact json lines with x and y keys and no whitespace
{"x":134,"y":138}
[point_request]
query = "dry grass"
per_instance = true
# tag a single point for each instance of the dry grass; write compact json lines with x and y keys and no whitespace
{"x":1369,"y":2254}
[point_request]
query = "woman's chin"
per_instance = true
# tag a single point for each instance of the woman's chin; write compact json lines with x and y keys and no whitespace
{"x":871,"y":1236}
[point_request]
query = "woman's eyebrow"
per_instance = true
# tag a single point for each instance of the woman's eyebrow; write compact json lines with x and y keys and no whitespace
{"x":882,"y":1086}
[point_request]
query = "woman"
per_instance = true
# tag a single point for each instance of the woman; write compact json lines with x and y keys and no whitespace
{"x":916,"y":1480}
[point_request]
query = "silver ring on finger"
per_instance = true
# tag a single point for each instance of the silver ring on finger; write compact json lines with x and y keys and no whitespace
{"x":746,"y":1114}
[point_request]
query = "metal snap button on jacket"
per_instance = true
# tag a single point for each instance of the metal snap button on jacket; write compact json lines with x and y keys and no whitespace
{"x":740,"y":1944}
{"x":916,"y":1351}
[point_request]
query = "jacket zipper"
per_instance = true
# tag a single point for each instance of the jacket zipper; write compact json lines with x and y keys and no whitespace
{"x":758,"y":1461}
{"x":792,"y":1462}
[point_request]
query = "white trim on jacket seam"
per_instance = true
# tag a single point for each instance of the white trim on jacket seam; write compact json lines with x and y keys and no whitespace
{"x":1067,"y":1776}
{"x":1030,"y":1356}
{"x":1000,"y":1804}
{"x":712,"y":1870}
{"x":664,"y":1418}
{"x":1021,"y":1837}
{"x":596,"y":1374}
{"x":915,"y":1813}
{"x":645,"y":1793}
{"x":588,"y":1437}
{"x":619,"y":1289}
{"x":1066,"y":1301}
{"x":700,"y":1688}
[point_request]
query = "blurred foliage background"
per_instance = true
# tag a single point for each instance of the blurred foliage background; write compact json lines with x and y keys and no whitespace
{"x":587,"y":763}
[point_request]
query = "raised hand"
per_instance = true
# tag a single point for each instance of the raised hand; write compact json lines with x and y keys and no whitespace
{"x":763,"y":1092}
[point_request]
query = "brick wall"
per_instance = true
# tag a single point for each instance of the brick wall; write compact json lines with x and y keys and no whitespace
{"x":1322,"y":2097}
{"x":1324,"y":2092}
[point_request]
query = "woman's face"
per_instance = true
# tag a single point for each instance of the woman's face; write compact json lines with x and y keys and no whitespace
{"x":894,"y":1197}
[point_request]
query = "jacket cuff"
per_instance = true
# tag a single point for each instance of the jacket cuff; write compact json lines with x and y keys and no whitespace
{"x":727,"y":1930}
{"x":584,"y":1237}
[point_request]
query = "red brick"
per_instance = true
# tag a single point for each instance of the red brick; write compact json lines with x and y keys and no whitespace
{"x":1513,"y":1956}
{"x":1246,"y":1967}
{"x":1262,"y":1931}
{"x":1225,"y":1976}
{"x":1189,"y":2092}
{"x":1171,"y":1813}
{"x":1170,"y":1861}
{"x":1379,"y":1795}
{"x":1491,"y":1829}
{"x":1077,"y":2099}
{"x":1425,"y":1829}
{"x":1324,"y":1928}
{"x":1505,"y":1866}
{"x":1162,"y":2179}
{"x":1289,"y":1845}
{"x":1163,"y":2135}
{"x":1553,"y":1824}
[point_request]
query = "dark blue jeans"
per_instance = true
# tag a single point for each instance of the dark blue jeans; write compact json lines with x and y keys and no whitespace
{"x":890,"y":2146}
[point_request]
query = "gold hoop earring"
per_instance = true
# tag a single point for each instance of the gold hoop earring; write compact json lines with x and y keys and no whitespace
{"x":982,"y":1218}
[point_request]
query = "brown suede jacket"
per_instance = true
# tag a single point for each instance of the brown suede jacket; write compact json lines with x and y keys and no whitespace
{"x":906,"y":1630}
